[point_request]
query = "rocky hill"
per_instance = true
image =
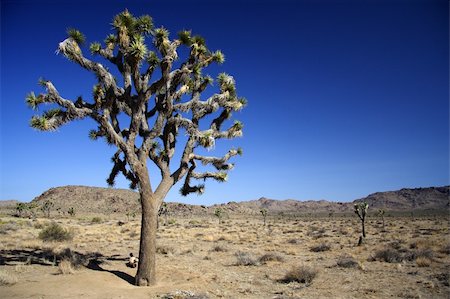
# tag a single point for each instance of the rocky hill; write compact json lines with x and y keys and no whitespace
{"x":94,"y":200}
{"x":433,"y":198}
{"x":90,"y":200}
{"x":288,"y":206}
{"x":8,"y":203}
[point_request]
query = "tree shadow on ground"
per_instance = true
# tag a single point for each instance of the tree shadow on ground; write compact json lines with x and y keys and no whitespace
{"x":44,"y":257}
{"x":47,"y":257}
{"x":95,"y":265}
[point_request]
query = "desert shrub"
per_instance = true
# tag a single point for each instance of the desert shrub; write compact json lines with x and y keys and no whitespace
{"x":184,"y":295}
{"x":347,"y":261}
{"x":343,"y":231}
{"x":445,"y":249}
{"x":245,"y":259}
{"x":397,"y":245}
{"x":423,"y":261}
{"x":293,"y":241}
{"x":164,"y":249}
{"x":301,"y":274}
{"x":194,"y":223}
{"x":270,"y":257}
{"x":38,"y":225}
{"x":124,"y":230}
{"x":76,"y":259}
{"x":133,"y":234}
{"x":172,"y":221}
{"x":388,"y":255}
{"x":219,"y":248}
{"x":96,"y":220}
{"x":8,"y":227}
{"x":7,"y":278}
{"x":55,"y":232}
{"x":444,"y":278}
{"x":420,"y":253}
{"x":320,"y":247}
{"x":316,"y":232}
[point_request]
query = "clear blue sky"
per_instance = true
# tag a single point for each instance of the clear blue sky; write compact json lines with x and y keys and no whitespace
{"x":345,"y":98}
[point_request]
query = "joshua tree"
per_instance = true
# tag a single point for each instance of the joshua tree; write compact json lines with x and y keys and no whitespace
{"x":47,"y":207}
{"x":163,"y":210}
{"x":130,"y":214}
{"x":31,"y":208}
{"x":361,"y":211}
{"x":381,"y":213}
{"x":264,"y":214}
{"x":71,"y":211}
{"x":20,"y":208}
{"x":155,"y":104}
{"x":219,"y":214}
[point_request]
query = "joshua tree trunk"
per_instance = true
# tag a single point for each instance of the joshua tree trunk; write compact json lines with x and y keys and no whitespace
{"x":147,"y":248}
{"x":150,"y":204}
{"x":363,"y":228}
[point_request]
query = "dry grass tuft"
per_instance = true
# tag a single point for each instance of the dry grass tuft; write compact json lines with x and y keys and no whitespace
{"x":293,"y":241}
{"x":76,"y":259}
{"x":219,"y":248}
{"x":443,"y":278}
{"x":65,"y":267}
{"x":445,"y":249}
{"x":421,"y":253}
{"x":164,"y":249}
{"x":95,"y":220}
{"x":270,"y":257}
{"x":302,"y":274}
{"x":422,"y":261}
{"x":7,"y":278}
{"x":388,"y":255}
{"x":245,"y":259}
{"x":347,"y":261}
{"x":320,"y":247}
{"x":6,"y":228}
{"x":184,"y":295}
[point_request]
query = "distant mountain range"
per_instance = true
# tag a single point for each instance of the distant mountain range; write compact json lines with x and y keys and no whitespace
{"x":94,"y":200}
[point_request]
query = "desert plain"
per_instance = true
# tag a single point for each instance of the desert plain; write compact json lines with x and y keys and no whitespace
{"x":308,"y":256}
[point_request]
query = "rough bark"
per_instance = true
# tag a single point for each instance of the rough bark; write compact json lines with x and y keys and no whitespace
{"x":363,"y":227}
{"x":146,"y":274}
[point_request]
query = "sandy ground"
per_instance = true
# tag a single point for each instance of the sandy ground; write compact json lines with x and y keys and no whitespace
{"x":198,"y":258}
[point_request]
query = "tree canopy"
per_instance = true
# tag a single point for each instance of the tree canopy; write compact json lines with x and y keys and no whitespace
{"x":158,"y":93}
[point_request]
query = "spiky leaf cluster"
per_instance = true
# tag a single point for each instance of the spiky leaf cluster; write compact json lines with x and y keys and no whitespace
{"x":360,"y":209}
{"x":76,"y":35}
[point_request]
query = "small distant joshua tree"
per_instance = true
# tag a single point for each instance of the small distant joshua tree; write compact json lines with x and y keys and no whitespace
{"x":130,"y":215}
{"x":219,"y":214}
{"x":264,"y":214}
{"x":361,"y":211}
{"x":381,"y":213}
{"x":159,"y":100}
{"x":164,"y":211}
{"x":32,"y":209}
{"x":47,"y":207}
{"x":71,"y":211}
{"x":21,"y":207}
